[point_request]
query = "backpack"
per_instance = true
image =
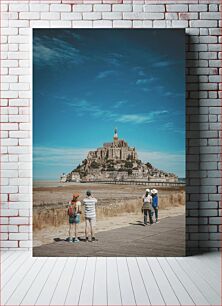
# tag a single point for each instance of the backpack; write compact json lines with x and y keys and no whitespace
{"x":70,"y":211}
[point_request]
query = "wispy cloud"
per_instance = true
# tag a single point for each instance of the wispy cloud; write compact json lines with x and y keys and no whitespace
{"x":141,"y":118}
{"x":75,"y":35}
{"x":57,"y":156}
{"x":170,"y":126}
{"x":139,"y":71}
{"x":141,"y":81}
{"x":50,"y":51}
{"x":164,"y":62}
{"x":145,"y":81}
{"x":173,"y":94}
{"x":174,"y":163}
{"x":104,"y":74}
{"x":114,"y":58}
{"x":84,"y":106}
{"x":163,"y":91}
{"x":160,"y":88}
{"x":118,"y":104}
{"x":146,"y":89}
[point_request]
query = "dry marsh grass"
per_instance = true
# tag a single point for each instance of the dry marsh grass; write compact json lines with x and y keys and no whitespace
{"x":55,"y":214}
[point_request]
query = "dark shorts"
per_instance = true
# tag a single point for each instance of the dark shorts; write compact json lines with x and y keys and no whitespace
{"x":74,"y":219}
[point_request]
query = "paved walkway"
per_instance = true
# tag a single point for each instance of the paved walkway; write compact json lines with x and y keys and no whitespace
{"x":166,"y":238}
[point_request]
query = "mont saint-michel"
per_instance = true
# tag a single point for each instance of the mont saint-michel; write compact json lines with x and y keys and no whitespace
{"x":117,"y":161}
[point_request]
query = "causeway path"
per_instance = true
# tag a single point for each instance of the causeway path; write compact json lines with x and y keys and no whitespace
{"x":166,"y":238}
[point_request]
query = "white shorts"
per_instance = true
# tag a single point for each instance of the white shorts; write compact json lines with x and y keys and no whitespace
{"x":91,"y":220}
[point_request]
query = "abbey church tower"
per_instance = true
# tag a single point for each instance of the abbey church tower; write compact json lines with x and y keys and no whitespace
{"x":115,"y":138}
{"x":116,"y":150}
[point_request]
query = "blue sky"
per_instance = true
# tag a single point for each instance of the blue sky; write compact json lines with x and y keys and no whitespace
{"x":87,"y":82}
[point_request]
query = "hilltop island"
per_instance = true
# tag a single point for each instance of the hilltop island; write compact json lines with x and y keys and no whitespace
{"x":116,"y":161}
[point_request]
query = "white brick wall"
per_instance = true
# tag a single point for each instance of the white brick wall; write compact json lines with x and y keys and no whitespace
{"x":203,"y":52}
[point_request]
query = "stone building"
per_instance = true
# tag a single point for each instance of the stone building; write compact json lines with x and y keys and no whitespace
{"x":117,"y":161}
{"x":116,"y":150}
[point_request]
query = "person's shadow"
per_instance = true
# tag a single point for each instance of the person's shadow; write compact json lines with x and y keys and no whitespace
{"x":140,"y":223}
{"x":67,"y":239}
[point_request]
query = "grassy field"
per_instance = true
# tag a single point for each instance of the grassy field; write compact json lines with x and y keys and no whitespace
{"x":50,"y":200}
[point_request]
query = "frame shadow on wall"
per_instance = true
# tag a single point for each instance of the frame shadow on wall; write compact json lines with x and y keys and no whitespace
{"x":195,"y":223}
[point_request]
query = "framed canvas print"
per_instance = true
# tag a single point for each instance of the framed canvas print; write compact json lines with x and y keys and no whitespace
{"x":108,"y":142}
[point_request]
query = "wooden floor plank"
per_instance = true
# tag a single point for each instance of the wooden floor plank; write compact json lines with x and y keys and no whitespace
{"x":139,"y":288}
{"x":10,"y":261}
{"x":62,"y":288}
{"x":126,"y":289}
{"x":35,"y":289}
{"x":152,"y":288}
{"x":13,"y":269}
{"x":187,"y":282}
{"x":208,"y":292}
{"x":112,"y":281}
{"x":167,"y":291}
{"x":47,"y":292}
{"x":211,"y":260}
{"x":5,"y":255}
{"x":113,"y":286}
{"x":214,"y":280}
{"x":100,"y":282}
{"x":17,"y":278}
{"x":73,"y":293}
{"x":86,"y":294}
{"x":181,"y":293}
{"x":17,"y":296}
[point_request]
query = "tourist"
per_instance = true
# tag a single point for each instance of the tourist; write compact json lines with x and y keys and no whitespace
{"x":154,"y":193}
{"x":147,"y":207}
{"x":90,"y":215}
{"x":74,"y":211}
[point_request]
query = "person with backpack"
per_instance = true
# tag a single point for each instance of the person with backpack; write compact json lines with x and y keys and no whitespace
{"x":90,"y":215}
{"x":74,"y":211}
{"x":154,"y":193}
{"x":147,"y":207}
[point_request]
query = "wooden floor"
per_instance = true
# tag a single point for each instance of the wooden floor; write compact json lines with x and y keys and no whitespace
{"x":166,"y":238}
{"x":28,"y":280}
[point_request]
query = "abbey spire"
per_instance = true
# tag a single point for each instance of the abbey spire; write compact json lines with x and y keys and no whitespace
{"x":115,"y":137}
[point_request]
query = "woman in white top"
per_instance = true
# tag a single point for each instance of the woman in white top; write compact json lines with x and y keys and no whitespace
{"x":147,"y":207}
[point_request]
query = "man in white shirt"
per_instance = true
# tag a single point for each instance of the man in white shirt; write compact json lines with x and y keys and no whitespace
{"x":90,"y":215}
{"x":147,"y":207}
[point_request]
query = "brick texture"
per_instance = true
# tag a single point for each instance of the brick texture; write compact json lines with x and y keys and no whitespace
{"x":201,"y":20}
